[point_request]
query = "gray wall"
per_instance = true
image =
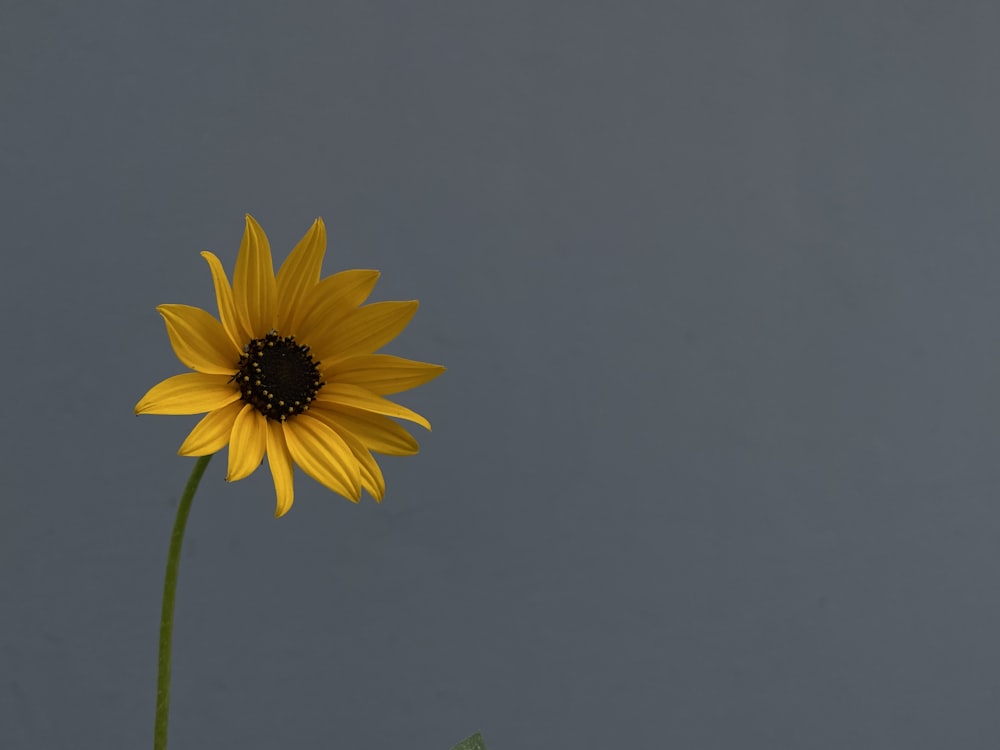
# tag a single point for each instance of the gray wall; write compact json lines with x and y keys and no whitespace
{"x":715,"y":461}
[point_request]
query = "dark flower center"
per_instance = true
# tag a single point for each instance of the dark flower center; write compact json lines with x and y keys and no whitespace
{"x":279,"y":377}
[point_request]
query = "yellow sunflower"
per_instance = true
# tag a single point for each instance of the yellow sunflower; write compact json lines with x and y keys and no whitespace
{"x":291,"y":371}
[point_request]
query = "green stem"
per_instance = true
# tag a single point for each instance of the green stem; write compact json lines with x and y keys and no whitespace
{"x":169,"y":594}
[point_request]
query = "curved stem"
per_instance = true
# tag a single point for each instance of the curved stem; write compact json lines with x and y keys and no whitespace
{"x":167,"y":614}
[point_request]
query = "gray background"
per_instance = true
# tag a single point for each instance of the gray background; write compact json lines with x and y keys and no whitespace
{"x":715,"y":461}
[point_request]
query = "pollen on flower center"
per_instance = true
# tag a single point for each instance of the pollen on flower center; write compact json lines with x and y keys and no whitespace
{"x":279,"y":377}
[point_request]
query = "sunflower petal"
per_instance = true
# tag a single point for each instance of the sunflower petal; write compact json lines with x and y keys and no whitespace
{"x":247,"y":444}
{"x":254,"y":288}
{"x":237,"y":332}
{"x":190,"y":393}
{"x":342,"y":290}
{"x":212,"y":433}
{"x":279,"y":460}
{"x":357,"y":397}
{"x":348,"y":288}
{"x":199,"y":340}
{"x":332,"y":299}
{"x":323,"y":455}
{"x":376,"y":432}
{"x":298,"y":274}
{"x":371,"y":474}
{"x":363,"y":330}
{"x":382,"y":373}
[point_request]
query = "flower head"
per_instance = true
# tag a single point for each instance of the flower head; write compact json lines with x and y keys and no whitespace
{"x":289,"y":370}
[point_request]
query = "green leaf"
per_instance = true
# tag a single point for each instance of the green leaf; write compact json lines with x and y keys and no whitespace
{"x":475,"y":742}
